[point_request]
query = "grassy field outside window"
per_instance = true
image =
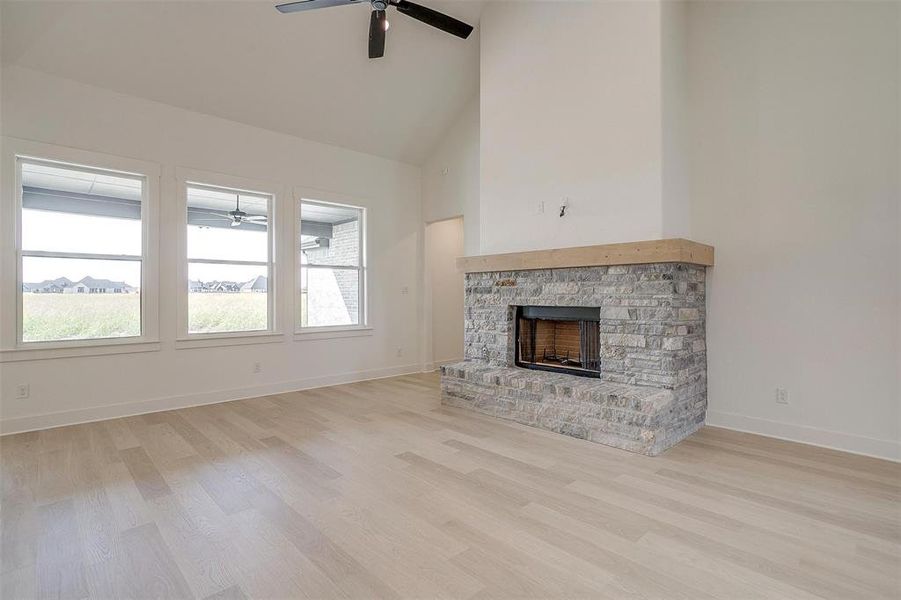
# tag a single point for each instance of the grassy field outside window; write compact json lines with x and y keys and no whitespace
{"x":88,"y":316}
{"x":214,"y":313}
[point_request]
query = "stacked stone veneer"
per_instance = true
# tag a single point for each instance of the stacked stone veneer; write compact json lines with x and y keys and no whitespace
{"x":653,"y":386}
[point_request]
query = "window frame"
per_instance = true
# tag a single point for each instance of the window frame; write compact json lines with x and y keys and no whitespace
{"x":195,"y":178}
{"x":320,"y":198}
{"x":17,"y":152}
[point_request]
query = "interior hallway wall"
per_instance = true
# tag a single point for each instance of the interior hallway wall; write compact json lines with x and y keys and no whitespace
{"x":444,"y":291}
{"x":450,"y":177}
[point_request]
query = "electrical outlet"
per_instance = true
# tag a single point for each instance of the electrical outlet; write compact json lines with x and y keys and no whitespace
{"x":781,"y":396}
{"x":540,"y":208}
{"x":257,"y":367}
{"x":22,"y":391}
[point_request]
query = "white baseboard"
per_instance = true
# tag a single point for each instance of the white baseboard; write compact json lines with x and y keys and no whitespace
{"x":437,"y":364}
{"x":834,"y":440}
{"x":855,"y":444}
{"x":113,"y":411}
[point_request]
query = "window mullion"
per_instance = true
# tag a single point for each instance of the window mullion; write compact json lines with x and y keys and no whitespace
{"x":240,"y":263}
{"x":80,"y":255}
{"x":332,"y":267}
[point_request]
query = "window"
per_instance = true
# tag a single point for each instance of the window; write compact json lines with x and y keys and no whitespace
{"x":82,"y":253}
{"x":332,"y":265}
{"x":229,"y":262}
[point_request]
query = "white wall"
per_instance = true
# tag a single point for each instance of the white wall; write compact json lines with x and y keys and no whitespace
{"x":675,"y":119}
{"x":450,"y":176}
{"x":570,"y":106}
{"x":443,"y":290}
{"x":48,"y":109}
{"x":795,"y":181}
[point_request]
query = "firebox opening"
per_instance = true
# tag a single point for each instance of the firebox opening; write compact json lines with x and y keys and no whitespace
{"x":559,"y":338}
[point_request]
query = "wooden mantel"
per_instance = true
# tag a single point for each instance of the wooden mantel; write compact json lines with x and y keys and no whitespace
{"x":630,"y":253}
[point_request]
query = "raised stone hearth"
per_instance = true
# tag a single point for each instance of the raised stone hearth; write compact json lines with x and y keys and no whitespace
{"x":636,"y":418}
{"x":652,"y":388}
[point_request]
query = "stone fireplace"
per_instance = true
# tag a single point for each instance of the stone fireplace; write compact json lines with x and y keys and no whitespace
{"x":612,"y":353}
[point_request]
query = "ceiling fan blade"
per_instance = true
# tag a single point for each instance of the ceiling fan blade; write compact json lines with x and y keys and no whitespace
{"x":291,"y":7}
{"x":377,"y":26}
{"x":434,"y":18}
{"x":255,"y":219}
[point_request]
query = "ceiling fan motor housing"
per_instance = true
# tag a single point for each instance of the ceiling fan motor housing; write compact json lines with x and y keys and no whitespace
{"x":378,"y":21}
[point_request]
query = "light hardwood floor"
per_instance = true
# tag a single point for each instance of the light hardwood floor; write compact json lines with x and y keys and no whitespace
{"x":373,"y":490}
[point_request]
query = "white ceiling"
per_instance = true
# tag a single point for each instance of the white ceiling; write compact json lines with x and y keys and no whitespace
{"x":305,"y":74}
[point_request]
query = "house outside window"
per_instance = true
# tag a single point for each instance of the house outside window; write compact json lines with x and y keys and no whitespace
{"x":82,"y":254}
{"x":332,"y":266}
{"x":229,"y":260}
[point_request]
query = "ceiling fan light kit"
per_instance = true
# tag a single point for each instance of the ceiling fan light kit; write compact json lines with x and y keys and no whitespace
{"x":378,"y":20}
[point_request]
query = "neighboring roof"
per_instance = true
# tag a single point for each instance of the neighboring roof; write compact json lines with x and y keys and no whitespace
{"x":91,"y":282}
{"x":59,"y":281}
{"x":88,"y":282}
{"x":257,"y":283}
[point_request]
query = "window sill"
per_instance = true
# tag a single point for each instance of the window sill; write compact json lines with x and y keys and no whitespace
{"x":228,"y":339}
{"x":52,"y":351}
{"x":329,"y":333}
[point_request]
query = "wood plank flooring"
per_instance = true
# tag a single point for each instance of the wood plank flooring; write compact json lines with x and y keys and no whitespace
{"x":374,"y":490}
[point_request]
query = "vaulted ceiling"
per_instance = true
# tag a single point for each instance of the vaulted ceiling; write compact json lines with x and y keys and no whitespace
{"x":305,"y":74}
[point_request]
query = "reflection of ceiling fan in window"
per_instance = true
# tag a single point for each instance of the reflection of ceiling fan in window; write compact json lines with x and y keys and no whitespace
{"x":237,"y":216}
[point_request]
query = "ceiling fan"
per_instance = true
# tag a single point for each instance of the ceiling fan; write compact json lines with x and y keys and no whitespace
{"x":237,"y":216}
{"x":378,"y":20}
